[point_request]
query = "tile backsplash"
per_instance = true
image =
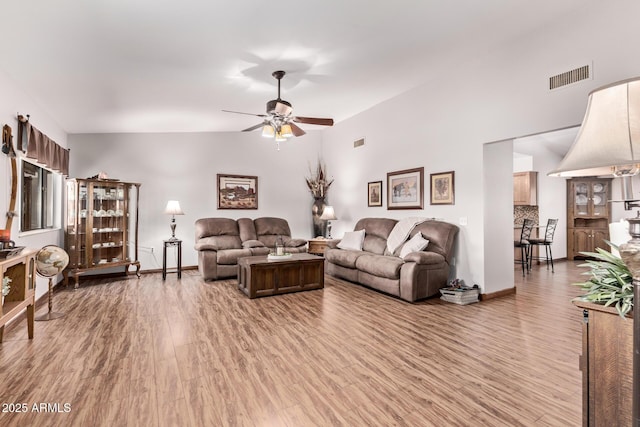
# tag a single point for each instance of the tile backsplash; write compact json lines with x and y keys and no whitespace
{"x":520,"y":213}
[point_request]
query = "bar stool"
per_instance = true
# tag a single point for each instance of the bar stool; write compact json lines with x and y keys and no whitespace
{"x":524,"y":244}
{"x":546,"y":241}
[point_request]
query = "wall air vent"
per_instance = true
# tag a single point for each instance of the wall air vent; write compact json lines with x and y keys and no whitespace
{"x":570,"y":77}
{"x":358,"y":143}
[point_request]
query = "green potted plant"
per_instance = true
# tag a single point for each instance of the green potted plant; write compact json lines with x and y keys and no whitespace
{"x":610,"y":282}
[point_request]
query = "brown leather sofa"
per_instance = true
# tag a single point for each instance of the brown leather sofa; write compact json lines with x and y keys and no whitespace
{"x":419,"y":275}
{"x":221,"y":241}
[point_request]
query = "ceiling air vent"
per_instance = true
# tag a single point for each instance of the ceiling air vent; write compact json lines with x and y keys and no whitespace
{"x":570,"y":77}
{"x":358,"y":143}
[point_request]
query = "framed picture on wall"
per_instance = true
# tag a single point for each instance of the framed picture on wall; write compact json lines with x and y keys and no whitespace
{"x":442,"y":188}
{"x":374,"y":194}
{"x":237,"y":192}
{"x":405,"y":189}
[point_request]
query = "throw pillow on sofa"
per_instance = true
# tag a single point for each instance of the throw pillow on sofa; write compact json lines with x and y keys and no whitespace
{"x":352,"y":240}
{"x":417,"y":243}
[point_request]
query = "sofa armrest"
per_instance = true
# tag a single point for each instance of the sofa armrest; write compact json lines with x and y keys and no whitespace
{"x":295,"y":243}
{"x":424,"y":258}
{"x":202,"y":245}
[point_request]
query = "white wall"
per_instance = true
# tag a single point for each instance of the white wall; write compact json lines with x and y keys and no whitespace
{"x":497,"y":95}
{"x":16,"y":101}
{"x":498,"y":223}
{"x":183,"y":167}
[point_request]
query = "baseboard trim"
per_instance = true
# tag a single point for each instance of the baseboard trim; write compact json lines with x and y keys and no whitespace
{"x":498,"y":294}
{"x":83,"y":277}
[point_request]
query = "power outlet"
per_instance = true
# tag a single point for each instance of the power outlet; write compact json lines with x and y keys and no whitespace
{"x":463,"y":220}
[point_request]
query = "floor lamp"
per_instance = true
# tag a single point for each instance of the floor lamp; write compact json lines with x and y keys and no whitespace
{"x":609,"y":144}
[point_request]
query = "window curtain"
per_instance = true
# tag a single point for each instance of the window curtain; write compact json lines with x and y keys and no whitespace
{"x":43,"y":149}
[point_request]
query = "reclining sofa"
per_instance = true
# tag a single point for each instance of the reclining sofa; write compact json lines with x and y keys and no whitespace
{"x":418,"y":275}
{"x":221,"y":241}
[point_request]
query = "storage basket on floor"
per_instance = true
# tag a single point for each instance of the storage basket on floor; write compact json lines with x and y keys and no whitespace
{"x":459,"y":296}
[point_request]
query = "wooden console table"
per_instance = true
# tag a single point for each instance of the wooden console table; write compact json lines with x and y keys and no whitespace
{"x":606,"y":364}
{"x":259,"y":276}
{"x":21,"y":269}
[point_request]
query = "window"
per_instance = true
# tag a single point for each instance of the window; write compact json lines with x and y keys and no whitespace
{"x":38,"y":189}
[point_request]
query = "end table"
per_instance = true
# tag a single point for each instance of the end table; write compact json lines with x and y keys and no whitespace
{"x":172,"y":243}
{"x":317,"y":246}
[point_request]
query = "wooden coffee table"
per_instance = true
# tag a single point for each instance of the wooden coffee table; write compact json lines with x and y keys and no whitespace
{"x":261,"y":277}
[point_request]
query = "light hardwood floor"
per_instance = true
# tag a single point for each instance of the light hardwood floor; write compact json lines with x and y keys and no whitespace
{"x":188,"y":353}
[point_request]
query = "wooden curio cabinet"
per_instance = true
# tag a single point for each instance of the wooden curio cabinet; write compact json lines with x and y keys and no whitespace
{"x":588,"y":215}
{"x":101,"y":229}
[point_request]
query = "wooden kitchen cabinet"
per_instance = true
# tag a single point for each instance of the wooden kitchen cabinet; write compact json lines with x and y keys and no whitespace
{"x":588,"y":215}
{"x":525,"y":188}
{"x":588,"y":239}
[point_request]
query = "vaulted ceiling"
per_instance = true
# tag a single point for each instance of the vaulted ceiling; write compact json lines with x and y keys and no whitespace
{"x":99,"y":66}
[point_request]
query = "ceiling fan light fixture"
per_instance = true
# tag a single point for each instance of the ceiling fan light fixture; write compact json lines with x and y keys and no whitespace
{"x":286,"y":131}
{"x":280,"y":137}
{"x":268,"y":131}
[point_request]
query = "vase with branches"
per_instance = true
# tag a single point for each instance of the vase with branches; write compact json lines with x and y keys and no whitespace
{"x":318,"y":184}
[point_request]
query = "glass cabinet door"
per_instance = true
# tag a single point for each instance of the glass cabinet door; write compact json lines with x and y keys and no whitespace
{"x":76,"y":218}
{"x":599,"y":198}
{"x":581,"y":199}
{"x":107,"y":230}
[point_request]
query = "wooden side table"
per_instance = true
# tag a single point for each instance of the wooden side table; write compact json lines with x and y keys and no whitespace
{"x":317,"y":246}
{"x":169,"y":243}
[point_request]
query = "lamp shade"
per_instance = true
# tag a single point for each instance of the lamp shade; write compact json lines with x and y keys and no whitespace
{"x":173,"y":208}
{"x":268,"y":131}
{"x":609,"y":139}
{"x":286,"y":131}
{"x":328,"y":214}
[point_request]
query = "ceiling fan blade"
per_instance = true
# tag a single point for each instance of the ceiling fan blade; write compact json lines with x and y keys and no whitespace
{"x":248,"y":114}
{"x":313,"y":121}
{"x":296,"y":130}
{"x":258,"y":126}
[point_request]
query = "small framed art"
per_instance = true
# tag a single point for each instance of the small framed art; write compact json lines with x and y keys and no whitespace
{"x":442,"y":188}
{"x":237,"y":192}
{"x":405,"y":189}
{"x":374,"y":194}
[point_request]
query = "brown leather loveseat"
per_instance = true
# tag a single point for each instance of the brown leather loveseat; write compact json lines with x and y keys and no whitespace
{"x":221,"y":241}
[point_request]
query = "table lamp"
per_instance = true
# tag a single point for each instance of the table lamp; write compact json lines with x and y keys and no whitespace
{"x":609,"y":144}
{"x":328,"y":214}
{"x":173,"y":209}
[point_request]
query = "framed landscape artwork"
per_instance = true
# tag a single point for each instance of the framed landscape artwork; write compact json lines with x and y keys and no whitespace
{"x":442,"y":188}
{"x":237,"y":192}
{"x":374,"y":194}
{"x":405,"y":189}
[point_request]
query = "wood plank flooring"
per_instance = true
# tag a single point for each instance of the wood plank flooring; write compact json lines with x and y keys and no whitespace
{"x":143,"y":352}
